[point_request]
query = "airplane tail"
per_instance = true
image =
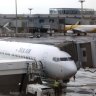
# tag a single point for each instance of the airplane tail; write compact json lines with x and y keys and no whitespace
{"x":77,"y":23}
{"x":6,"y":27}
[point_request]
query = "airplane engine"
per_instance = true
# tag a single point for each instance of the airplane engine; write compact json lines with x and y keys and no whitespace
{"x":70,"y":31}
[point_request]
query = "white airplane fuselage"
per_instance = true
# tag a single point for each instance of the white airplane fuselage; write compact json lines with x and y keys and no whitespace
{"x":56,"y":63}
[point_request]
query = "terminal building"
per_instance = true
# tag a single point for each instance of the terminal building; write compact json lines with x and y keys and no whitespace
{"x":71,"y":11}
{"x":55,"y":20}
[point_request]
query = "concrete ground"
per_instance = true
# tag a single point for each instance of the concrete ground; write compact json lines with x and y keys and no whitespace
{"x":83,"y":85}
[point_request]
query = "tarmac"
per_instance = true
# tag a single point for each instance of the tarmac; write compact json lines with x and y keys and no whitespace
{"x":52,"y":39}
{"x":84,"y":83}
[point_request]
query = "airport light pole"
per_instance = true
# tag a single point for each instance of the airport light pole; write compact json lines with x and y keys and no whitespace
{"x":16,"y":15}
{"x":30,"y":9}
{"x":81,"y":1}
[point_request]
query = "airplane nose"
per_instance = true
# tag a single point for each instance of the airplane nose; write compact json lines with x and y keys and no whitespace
{"x":70,"y":68}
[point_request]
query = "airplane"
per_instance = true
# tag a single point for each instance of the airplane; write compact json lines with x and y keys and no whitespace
{"x":80,"y":29}
{"x":57,"y":64}
{"x":5,"y":26}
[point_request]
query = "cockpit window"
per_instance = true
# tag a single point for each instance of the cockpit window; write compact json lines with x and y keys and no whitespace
{"x":66,"y":59}
{"x":56,"y":59}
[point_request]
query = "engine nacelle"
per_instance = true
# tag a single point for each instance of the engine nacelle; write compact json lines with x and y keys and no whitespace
{"x":70,"y":31}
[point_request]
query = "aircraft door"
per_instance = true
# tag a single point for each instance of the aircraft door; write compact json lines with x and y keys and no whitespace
{"x":45,"y":56}
{"x":45,"y":60}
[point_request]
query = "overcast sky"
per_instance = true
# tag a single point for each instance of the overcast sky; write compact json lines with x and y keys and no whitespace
{"x":41,"y":6}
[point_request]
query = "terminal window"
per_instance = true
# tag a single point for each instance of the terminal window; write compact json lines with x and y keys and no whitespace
{"x":41,"y":21}
{"x":84,"y":53}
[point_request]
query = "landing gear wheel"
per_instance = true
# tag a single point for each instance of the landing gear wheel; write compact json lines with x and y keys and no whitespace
{"x":66,"y":81}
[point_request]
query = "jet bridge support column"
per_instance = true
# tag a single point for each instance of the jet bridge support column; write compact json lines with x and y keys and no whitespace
{"x":79,"y":56}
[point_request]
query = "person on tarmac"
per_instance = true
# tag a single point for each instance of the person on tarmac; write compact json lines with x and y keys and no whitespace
{"x":56,"y":87}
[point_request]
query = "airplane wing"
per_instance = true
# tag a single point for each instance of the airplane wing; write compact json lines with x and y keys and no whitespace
{"x":80,"y":30}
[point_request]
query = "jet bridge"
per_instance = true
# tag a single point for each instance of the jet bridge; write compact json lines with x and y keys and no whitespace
{"x":20,"y":72}
{"x":21,"y":66}
{"x":15,"y":66}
